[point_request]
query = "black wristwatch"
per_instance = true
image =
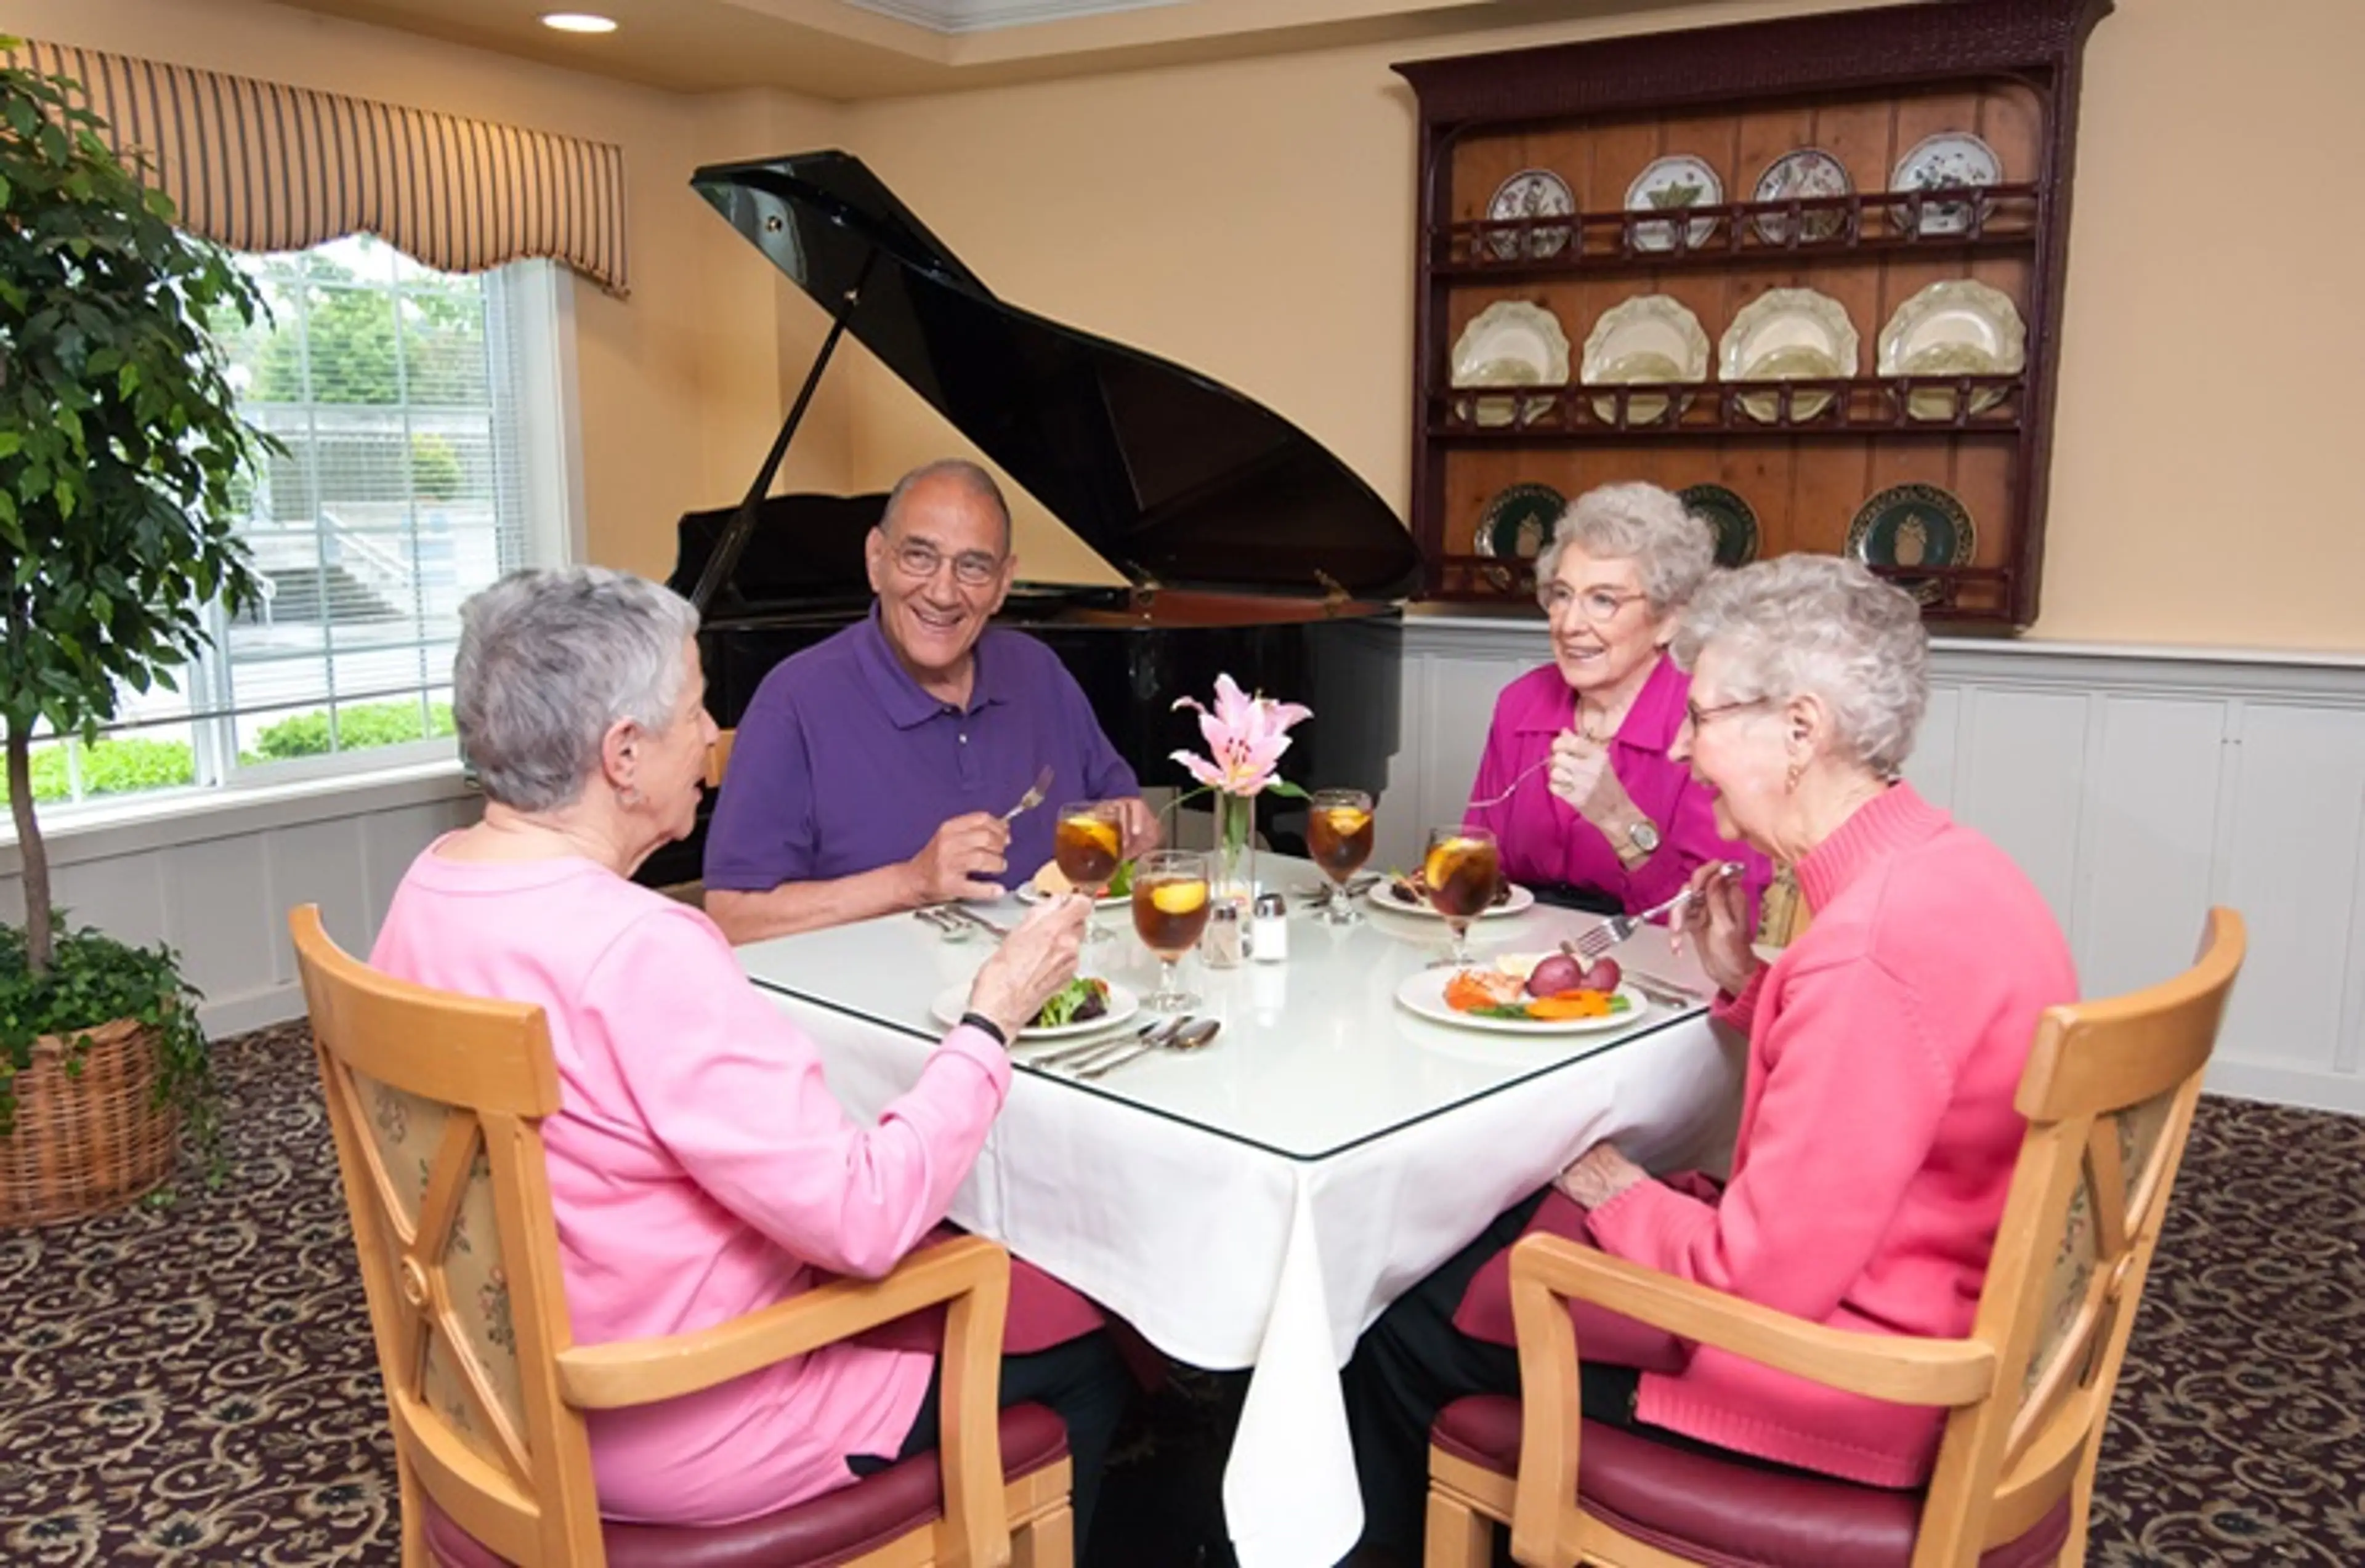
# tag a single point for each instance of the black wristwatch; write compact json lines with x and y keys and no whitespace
{"x":980,"y":1022}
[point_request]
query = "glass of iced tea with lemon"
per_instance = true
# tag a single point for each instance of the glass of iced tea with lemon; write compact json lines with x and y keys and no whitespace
{"x":1339,"y":836}
{"x":1170,"y":911}
{"x":1461,"y":872}
{"x":1087,"y":846}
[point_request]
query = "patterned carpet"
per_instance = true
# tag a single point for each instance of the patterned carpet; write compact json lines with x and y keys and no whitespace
{"x":194,"y":1384}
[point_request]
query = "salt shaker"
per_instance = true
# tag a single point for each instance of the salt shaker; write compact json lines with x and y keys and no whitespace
{"x":1220,"y":948}
{"x":1269,"y":939}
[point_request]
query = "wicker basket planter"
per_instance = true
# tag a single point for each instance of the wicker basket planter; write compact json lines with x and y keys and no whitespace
{"x":88,"y":1141}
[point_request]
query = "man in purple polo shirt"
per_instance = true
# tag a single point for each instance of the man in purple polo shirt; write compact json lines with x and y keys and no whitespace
{"x":871,"y":771}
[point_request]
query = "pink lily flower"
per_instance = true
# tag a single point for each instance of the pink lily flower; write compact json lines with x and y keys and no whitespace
{"x":1246,"y":736}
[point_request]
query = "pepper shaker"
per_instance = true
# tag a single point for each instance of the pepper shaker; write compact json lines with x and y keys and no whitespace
{"x":1221,"y":948}
{"x":1269,"y":940}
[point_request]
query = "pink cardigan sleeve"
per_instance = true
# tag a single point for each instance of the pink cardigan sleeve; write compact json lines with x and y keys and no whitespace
{"x":735,"y":1092}
{"x":1850,"y":1105}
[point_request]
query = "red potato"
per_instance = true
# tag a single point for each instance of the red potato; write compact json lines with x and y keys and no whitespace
{"x":1555,"y":974}
{"x":1603,"y":975}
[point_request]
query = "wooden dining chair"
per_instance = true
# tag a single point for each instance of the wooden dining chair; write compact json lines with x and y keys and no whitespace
{"x":2108,"y":1094}
{"x":718,"y":758}
{"x":436,"y":1102}
{"x":1782,"y":912}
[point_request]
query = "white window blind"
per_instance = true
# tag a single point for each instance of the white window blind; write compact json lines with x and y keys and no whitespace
{"x":412,"y":472}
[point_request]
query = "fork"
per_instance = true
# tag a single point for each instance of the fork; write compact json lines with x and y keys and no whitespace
{"x":1183,"y":1039}
{"x":1034,"y":796}
{"x":1618,"y":927}
{"x":1538,"y":766}
{"x":1153,"y":1033}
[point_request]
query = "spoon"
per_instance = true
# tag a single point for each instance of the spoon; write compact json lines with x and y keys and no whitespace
{"x":1034,"y":796}
{"x":1155,"y":1032}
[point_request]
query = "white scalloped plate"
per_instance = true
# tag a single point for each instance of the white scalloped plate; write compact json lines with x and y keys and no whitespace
{"x":1959,"y":327}
{"x":1650,"y":337}
{"x":1509,"y":343}
{"x":1788,"y":335}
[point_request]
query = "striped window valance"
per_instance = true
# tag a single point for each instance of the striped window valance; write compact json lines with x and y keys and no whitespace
{"x":262,"y":166}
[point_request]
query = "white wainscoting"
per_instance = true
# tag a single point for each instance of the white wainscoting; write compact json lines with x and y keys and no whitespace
{"x":216,"y":881}
{"x":2135,"y":787}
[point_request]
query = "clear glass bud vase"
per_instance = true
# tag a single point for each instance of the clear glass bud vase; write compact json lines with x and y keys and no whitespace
{"x":1233,"y":861}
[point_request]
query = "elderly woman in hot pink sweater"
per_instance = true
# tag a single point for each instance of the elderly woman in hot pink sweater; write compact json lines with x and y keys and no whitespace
{"x":1878,"y":1134}
{"x":1576,"y":781}
{"x":699,"y":1167}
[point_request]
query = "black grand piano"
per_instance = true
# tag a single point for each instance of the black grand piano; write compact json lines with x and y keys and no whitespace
{"x":1245,"y":547}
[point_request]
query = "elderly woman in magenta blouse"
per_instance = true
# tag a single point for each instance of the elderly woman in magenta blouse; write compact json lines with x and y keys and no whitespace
{"x":1575,"y":782}
{"x":1878,"y":1134}
{"x":699,"y":1167}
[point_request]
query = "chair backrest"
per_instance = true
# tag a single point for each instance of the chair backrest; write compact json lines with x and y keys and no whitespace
{"x":436,"y":1101}
{"x":2109,"y":1090}
{"x":1782,"y":912}
{"x":718,"y":758}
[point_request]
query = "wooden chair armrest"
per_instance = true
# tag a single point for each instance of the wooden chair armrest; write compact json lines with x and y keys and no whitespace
{"x":970,"y":1273}
{"x":1547,"y":1271}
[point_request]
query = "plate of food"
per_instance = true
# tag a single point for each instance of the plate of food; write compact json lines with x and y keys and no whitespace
{"x":1083,"y":1005}
{"x":1403,"y":894}
{"x":1050,"y":882}
{"x":1507,"y":1003}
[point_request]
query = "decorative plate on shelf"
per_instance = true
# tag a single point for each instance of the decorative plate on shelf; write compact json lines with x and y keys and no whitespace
{"x":1509,"y":343}
{"x":1913,"y":525}
{"x":1947,"y":161}
{"x":1809,"y":172}
{"x":1526,"y":195}
{"x":1959,"y":327}
{"x":1788,"y":335}
{"x":1515,"y":524}
{"x":1652,"y":338}
{"x":1729,"y":518}
{"x":1668,"y":185}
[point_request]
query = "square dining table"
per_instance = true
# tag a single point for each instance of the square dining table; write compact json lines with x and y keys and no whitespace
{"x":1256,"y":1202}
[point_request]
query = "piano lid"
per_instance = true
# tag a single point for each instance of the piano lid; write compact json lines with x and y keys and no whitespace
{"x":1172,"y":477}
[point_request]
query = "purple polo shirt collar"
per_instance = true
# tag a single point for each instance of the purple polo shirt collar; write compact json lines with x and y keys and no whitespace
{"x":1649,"y":725}
{"x":900,"y":697}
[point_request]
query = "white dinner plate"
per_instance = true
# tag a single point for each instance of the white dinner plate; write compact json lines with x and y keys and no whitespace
{"x":1383,"y":895}
{"x":953,"y":1001}
{"x":1424,"y":994}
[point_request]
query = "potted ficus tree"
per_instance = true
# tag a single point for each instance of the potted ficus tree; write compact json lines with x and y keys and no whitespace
{"x":121,"y":453}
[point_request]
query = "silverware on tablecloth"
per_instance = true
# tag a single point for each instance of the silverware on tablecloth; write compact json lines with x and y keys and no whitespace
{"x":952,"y":930}
{"x":1189,"y":1039}
{"x":1659,"y":989}
{"x":1618,"y":927}
{"x":1076,"y":1052}
{"x":963,"y":912}
{"x":1034,"y":796}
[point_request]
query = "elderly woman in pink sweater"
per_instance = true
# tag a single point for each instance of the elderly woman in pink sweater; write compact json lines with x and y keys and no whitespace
{"x":1878,"y":1134}
{"x":699,"y":1167}
{"x":1576,"y":781}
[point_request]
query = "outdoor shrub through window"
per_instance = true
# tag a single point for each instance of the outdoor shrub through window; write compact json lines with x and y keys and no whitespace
{"x":402,"y":488}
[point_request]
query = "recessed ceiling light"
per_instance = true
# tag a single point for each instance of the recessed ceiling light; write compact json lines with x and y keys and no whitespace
{"x":579,"y":22}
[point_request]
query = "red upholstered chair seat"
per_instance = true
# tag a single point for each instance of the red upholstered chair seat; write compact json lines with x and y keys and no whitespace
{"x":835,"y":1527}
{"x":1723,"y":1514}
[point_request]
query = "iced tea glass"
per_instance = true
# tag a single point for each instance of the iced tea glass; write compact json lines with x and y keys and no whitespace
{"x":1088,"y":845}
{"x":1339,"y":836}
{"x":1462,"y":871}
{"x":1170,"y":911}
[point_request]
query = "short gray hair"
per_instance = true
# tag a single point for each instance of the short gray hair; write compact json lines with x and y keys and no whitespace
{"x":1640,"y":524}
{"x":960,"y":471}
{"x":548,"y":660}
{"x":1821,"y":624}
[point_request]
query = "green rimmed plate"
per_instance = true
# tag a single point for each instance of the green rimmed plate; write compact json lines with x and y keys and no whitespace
{"x":1728,"y":516}
{"x":1515,"y":524}
{"x":1913,"y":525}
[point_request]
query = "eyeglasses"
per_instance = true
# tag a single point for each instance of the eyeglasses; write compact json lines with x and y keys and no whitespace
{"x":1697,"y":716}
{"x":1598,"y":606}
{"x":919,"y":561}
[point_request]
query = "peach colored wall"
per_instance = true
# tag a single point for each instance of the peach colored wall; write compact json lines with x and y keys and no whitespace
{"x":1254,"y":219}
{"x":680,"y":386}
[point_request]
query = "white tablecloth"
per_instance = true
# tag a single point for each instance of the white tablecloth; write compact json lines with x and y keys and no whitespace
{"x":1258,"y":1202}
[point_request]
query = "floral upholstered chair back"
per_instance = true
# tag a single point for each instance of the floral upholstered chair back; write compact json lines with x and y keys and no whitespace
{"x":2110,"y":1092}
{"x":436,"y":1102}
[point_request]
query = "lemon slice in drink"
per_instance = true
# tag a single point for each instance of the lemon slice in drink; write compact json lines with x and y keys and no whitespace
{"x":1347,"y":821}
{"x":1099,"y":830}
{"x":1439,"y":868}
{"x":1178,"y":898}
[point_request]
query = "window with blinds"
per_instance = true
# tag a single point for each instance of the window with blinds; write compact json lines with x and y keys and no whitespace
{"x":406,"y":479}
